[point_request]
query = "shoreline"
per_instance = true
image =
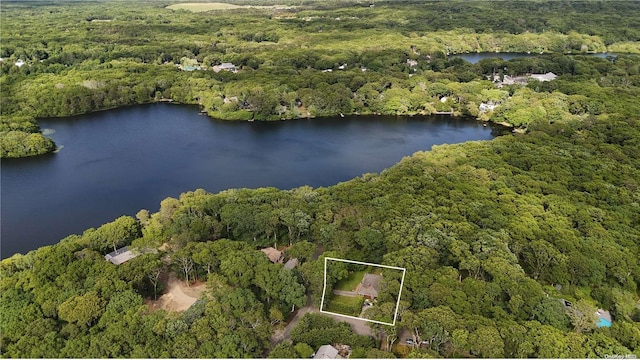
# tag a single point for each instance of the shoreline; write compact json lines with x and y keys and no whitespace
{"x":201,"y":111}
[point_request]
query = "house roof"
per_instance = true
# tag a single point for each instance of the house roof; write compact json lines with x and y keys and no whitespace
{"x":273,"y":254}
{"x":370,"y":285}
{"x":544,"y":77}
{"x":604,"y":318}
{"x":225,"y":66}
{"x":121,"y":255}
{"x":291,"y":264}
{"x":327,"y":352}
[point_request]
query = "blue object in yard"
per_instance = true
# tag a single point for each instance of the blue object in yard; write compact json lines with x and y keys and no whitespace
{"x":602,"y":322}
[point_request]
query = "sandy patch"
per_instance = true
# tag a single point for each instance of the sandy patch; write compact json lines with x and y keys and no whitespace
{"x":178,"y":297}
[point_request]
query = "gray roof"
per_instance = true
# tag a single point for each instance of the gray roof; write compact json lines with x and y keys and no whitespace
{"x":121,"y":255}
{"x":327,"y":352}
{"x":370,"y":285}
{"x":291,"y":264}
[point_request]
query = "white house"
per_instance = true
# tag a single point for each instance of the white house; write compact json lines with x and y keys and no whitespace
{"x":123,"y":255}
{"x":225,"y":67}
{"x":484,"y":107}
{"x":544,"y":77}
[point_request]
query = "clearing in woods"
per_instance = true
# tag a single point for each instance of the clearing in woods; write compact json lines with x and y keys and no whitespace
{"x":177,"y":297}
{"x":202,"y":7}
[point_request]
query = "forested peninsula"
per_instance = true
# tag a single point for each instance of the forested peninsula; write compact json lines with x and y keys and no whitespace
{"x":512,"y":247}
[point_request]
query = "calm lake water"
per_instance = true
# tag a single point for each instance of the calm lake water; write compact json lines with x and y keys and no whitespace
{"x":475,"y":57}
{"x":117,"y":162}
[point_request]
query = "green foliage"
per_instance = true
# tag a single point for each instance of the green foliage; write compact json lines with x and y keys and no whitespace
{"x":82,"y":310}
{"x":484,"y":229}
{"x":551,"y":312}
{"x":304,"y":351}
{"x":346,"y":305}
{"x":128,"y":55}
{"x":317,"y":330}
{"x":351,"y":282}
{"x":113,"y":235}
{"x":283,"y":351}
{"x":20,"y":136}
{"x":20,"y":144}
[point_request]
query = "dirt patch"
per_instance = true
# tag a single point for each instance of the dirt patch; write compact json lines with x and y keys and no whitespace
{"x":178,"y":296}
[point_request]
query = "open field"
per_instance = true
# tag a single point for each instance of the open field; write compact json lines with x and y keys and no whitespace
{"x":347,"y":305}
{"x":350,"y":283}
{"x":203,"y":7}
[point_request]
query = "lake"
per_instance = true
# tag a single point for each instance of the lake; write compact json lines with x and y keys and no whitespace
{"x":117,"y":162}
{"x":475,"y":57}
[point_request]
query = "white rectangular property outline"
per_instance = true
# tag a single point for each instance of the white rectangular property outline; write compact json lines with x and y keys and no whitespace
{"x":324,"y":289}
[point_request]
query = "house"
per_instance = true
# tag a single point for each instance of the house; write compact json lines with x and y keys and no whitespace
{"x":342,"y":67}
{"x":189,"y":68}
{"x":509,"y":80}
{"x":19,"y":63}
{"x":225,"y":67}
{"x":484,"y":107}
{"x":273,"y":254}
{"x":327,"y":352}
{"x":230,"y":99}
{"x":604,"y":318}
{"x":121,"y":255}
{"x":412,"y":63}
{"x":370,"y":286}
{"x":544,"y":77}
{"x":291,"y":264}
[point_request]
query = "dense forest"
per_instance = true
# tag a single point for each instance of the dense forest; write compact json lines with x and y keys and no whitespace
{"x":313,"y":59}
{"x":496,"y":237}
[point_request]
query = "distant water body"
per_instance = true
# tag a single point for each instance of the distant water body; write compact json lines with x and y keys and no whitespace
{"x":475,"y":57}
{"x":117,"y":162}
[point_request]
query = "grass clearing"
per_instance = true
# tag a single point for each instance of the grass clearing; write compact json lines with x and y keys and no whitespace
{"x":216,"y":6}
{"x":347,"y":305}
{"x":350,"y":282}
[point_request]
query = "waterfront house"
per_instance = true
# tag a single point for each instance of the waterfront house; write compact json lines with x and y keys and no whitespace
{"x":125,"y":254}
{"x":544,"y":77}
{"x":484,"y":107}
{"x":121,"y":255}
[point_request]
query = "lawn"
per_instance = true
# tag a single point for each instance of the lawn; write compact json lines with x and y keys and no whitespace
{"x":346,"y":305}
{"x":202,"y":7}
{"x":350,"y":282}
